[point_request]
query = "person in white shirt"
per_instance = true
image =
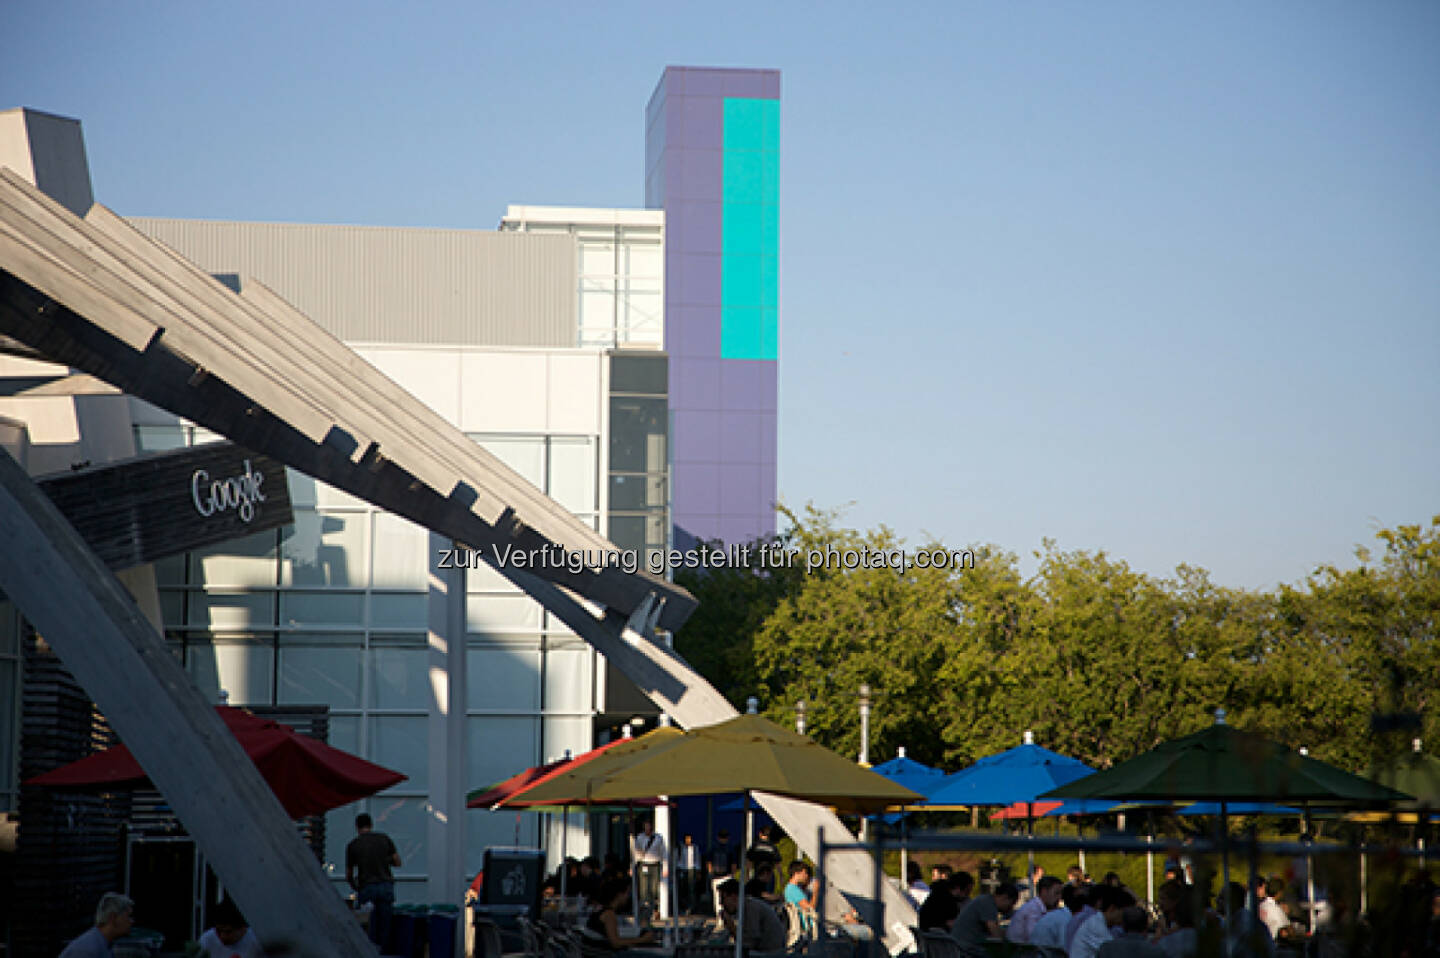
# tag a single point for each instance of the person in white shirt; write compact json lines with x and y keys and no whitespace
{"x":1023,"y":922}
{"x":648,"y":852}
{"x":1097,"y":929}
{"x":1050,"y":929}
{"x":915,"y":885}
{"x":1269,"y":910}
{"x":231,"y":936}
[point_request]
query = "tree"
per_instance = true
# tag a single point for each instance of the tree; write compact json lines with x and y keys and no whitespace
{"x":1100,"y":661}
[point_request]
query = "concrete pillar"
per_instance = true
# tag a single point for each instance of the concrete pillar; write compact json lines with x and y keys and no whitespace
{"x":445,"y":834}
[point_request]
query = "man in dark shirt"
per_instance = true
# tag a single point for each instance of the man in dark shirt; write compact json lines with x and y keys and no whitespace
{"x":939,"y":909}
{"x":980,"y":919}
{"x":368,"y":859}
{"x":763,"y":854}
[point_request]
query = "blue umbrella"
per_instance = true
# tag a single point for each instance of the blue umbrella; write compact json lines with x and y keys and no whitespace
{"x":1021,"y":774}
{"x":916,"y":776}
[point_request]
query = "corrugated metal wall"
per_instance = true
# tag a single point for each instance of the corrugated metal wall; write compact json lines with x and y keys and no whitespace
{"x":398,"y":285}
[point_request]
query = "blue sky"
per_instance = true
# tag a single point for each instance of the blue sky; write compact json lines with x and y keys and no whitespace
{"x":1158,"y":279}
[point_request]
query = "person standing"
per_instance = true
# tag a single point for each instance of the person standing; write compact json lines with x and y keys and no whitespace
{"x":368,"y":860}
{"x":114,"y":917}
{"x":687,"y":870}
{"x":648,"y":854}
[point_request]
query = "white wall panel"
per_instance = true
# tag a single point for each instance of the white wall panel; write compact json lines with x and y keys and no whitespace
{"x":502,"y":392}
{"x":574,"y":393}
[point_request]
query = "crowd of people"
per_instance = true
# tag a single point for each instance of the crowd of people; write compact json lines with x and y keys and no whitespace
{"x":1073,"y":917}
{"x":1078,"y":918}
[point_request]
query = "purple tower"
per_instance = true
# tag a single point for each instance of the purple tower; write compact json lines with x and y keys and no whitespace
{"x":712,"y":163}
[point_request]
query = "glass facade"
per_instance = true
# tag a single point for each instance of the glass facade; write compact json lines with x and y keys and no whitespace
{"x":639,"y":456}
{"x":332,"y":610}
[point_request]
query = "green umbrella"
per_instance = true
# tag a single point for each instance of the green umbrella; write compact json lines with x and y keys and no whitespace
{"x":1224,"y":764}
{"x":1415,"y":772}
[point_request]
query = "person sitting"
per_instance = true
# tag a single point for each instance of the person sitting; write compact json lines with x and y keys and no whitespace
{"x":1133,"y":942}
{"x":1086,"y":896}
{"x":1269,"y":911}
{"x":1244,"y":933}
{"x":114,"y":917}
{"x":797,"y":894}
{"x":940,"y":908}
{"x":979,"y":920}
{"x":230,"y":936}
{"x":1178,"y":936}
{"x":763,"y":929}
{"x":915,"y":886}
{"x":602,"y":929}
{"x":1094,"y":931}
{"x":1049,"y":931}
{"x":1047,"y":896}
{"x":762,"y":885}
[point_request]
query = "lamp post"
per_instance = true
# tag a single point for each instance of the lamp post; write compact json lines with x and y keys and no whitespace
{"x":864,"y":747}
{"x":865,"y":724}
{"x":800,"y":717}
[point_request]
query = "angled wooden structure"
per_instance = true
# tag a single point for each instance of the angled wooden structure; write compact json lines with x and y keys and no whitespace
{"x":89,"y":618}
{"x":100,"y":297}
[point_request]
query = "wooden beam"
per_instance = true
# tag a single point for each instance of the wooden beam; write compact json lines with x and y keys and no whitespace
{"x":257,"y":370}
{"x":103,"y":638}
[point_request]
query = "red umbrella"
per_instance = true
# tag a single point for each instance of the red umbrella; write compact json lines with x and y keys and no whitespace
{"x":509,"y":790}
{"x":308,"y":776}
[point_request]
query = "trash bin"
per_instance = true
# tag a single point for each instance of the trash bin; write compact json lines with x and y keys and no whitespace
{"x":405,"y":940}
{"x":442,"y":925}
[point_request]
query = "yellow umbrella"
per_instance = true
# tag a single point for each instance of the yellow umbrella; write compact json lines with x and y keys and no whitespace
{"x":746,"y":753}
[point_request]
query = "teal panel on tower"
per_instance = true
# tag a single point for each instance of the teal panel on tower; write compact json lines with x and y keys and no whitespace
{"x":750,"y":224}
{"x":742,"y":333}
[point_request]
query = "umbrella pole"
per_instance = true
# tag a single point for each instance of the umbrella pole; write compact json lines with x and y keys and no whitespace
{"x":1251,"y":902}
{"x":1225,"y":859}
{"x":564,"y":847}
{"x":904,"y":854}
{"x":1030,"y":857}
{"x":634,"y":862}
{"x":744,"y":846}
{"x":1150,"y":858}
{"x":1080,"y":833}
{"x":1364,"y":876}
{"x":877,"y":908}
{"x":1309,"y":867}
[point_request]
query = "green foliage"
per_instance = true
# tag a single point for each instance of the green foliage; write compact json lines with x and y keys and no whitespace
{"x":1101,"y":661}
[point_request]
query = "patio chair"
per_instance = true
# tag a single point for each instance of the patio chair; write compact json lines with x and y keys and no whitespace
{"x":535,"y":938}
{"x":488,"y":943}
{"x":936,"y":944}
{"x":704,"y":950}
